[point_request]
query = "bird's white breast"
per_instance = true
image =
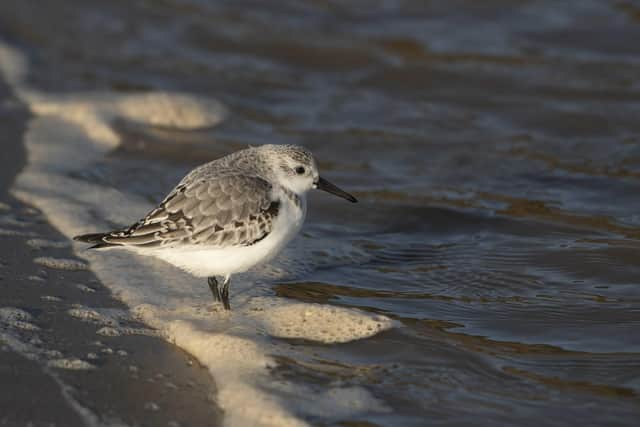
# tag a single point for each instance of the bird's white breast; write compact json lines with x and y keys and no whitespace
{"x":205,"y":262}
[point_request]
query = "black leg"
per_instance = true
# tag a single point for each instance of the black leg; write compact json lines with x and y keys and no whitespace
{"x":225,"y":293}
{"x":215,"y":290}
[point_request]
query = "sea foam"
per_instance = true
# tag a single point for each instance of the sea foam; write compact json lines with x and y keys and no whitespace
{"x":68,"y":134}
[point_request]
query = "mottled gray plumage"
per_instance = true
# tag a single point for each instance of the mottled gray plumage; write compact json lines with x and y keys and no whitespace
{"x":226,"y":202}
{"x":229,"y":211}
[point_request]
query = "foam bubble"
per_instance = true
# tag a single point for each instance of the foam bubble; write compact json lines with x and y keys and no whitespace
{"x":317,"y":322}
{"x":61,"y":263}
{"x":343,"y":402}
{"x":9,"y":314}
{"x":108,"y":332}
{"x":175,"y":110}
{"x":16,"y":318}
{"x":106,"y":317}
{"x":15,"y":233}
{"x":42,"y":243}
{"x":52,"y":354}
{"x":70,"y":364}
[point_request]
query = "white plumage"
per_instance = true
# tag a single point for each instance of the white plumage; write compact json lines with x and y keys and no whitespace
{"x":215,"y":261}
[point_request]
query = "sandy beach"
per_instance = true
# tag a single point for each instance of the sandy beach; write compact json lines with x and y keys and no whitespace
{"x":55,"y":368}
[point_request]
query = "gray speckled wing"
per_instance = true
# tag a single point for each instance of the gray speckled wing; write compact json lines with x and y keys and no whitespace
{"x":232,"y":210}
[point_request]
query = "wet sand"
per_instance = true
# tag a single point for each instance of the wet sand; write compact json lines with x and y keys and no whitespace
{"x":132,"y":379}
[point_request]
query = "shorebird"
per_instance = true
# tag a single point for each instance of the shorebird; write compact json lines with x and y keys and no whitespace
{"x":228,"y":215}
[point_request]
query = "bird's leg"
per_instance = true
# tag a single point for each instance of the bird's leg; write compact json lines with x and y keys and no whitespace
{"x":225,"y":292}
{"x":215,"y":290}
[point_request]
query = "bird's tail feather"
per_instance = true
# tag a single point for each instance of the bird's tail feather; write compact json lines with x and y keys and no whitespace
{"x":96,"y":238}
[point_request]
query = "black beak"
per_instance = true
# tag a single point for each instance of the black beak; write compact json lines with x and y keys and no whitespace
{"x":324,"y":185}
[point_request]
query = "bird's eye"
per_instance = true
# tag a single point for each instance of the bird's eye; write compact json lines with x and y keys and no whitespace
{"x":300,"y":170}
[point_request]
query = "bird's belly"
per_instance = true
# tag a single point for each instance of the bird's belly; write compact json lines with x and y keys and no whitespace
{"x":205,"y":262}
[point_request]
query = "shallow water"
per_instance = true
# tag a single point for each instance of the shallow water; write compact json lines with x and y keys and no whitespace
{"x":496,"y":153}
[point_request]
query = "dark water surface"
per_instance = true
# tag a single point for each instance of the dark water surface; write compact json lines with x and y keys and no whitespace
{"x":495,"y":147}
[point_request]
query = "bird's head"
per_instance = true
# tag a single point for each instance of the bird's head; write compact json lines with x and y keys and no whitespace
{"x":295,"y":169}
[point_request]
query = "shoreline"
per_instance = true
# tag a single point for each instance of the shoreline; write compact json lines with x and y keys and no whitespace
{"x":126,"y":379}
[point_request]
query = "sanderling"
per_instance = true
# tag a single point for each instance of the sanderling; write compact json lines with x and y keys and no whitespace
{"x":227,"y":215}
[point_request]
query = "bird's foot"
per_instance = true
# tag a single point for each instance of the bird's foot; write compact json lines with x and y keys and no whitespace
{"x":220,"y":295}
